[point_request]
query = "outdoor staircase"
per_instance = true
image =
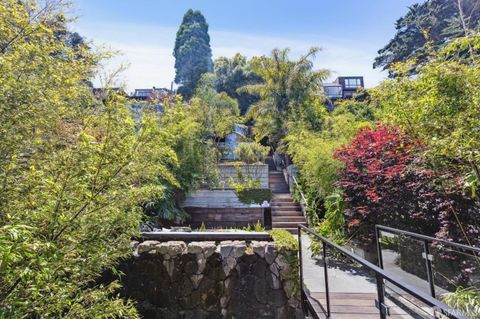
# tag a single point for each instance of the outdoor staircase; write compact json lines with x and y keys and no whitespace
{"x":286,"y":213}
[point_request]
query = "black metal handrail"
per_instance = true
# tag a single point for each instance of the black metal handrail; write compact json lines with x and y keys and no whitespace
{"x":381,"y":277}
{"x":429,"y":238}
{"x":426,"y":240}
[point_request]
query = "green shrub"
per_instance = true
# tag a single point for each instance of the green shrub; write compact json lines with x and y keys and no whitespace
{"x":466,"y":300}
{"x":258,"y":227}
{"x":287,"y":246}
{"x":333,"y":225}
{"x":251,"y":152}
{"x":254,"y":196}
{"x":284,"y":241}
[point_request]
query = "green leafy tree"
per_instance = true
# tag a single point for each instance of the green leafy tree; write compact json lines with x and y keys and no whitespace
{"x":251,"y":152}
{"x":192,"y":52}
{"x":232,"y":74}
{"x":440,"y":108}
{"x":74,"y":169}
{"x":183,"y":127}
{"x":312,"y":153}
{"x":288,"y":89}
{"x":218,"y":112}
{"x":431,"y":24}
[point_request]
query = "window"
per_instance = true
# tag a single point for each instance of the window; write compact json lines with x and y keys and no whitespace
{"x":333,"y":91}
{"x":352,"y":83}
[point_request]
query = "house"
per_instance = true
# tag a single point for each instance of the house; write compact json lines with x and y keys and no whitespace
{"x":144,"y":94}
{"x":342,"y":88}
{"x":231,"y":141}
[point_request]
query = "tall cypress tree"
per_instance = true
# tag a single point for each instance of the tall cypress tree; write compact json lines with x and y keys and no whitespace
{"x":192,"y":52}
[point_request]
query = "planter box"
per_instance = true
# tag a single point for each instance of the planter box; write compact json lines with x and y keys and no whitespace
{"x":222,"y":208}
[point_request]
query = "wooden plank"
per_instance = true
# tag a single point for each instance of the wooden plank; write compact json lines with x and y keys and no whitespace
{"x":353,"y":306}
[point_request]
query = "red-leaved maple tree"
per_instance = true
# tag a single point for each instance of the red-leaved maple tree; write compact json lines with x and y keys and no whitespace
{"x":383,"y":183}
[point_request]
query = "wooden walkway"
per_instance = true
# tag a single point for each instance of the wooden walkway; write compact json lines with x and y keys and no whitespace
{"x":353,"y":306}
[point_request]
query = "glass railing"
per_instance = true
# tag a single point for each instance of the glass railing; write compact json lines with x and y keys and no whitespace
{"x":336,"y":283}
{"x":437,"y":267}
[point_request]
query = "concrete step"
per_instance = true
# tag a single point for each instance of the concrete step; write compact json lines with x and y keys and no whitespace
{"x":279,"y":186}
{"x":287,"y":224}
{"x":275,"y":173}
{"x":281,"y":196}
{"x":270,"y":182}
{"x":287,"y":219}
{"x":286,"y":209}
{"x":270,"y":185}
{"x":279,"y":189}
{"x":282,"y":204}
{"x":288,"y":199}
{"x":287,"y":213}
{"x":276,"y":191}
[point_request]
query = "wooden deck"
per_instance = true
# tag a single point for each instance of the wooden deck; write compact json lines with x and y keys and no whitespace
{"x":353,"y":306}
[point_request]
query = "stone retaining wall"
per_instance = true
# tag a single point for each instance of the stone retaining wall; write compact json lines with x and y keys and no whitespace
{"x":231,"y":279}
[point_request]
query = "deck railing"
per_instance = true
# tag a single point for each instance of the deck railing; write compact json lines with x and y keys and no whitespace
{"x":427,"y":242}
{"x":438,"y":309}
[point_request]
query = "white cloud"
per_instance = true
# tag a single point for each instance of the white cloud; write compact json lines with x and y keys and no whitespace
{"x":148,"y":51}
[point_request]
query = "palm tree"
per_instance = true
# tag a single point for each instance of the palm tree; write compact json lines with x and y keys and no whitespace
{"x":286,"y":88}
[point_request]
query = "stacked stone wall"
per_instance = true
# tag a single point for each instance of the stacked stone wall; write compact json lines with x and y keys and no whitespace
{"x":231,"y":279}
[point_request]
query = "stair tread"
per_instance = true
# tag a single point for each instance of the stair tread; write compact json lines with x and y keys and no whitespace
{"x":285,"y":204}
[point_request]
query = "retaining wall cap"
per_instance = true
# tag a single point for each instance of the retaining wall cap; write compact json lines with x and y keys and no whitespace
{"x":259,"y":247}
{"x":146,"y":246}
{"x":195,"y":248}
{"x":162,"y":248}
{"x":176,"y":248}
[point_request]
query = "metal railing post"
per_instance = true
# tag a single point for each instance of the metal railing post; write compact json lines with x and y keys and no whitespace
{"x":428,"y":263}
{"x":378,"y":239}
{"x":381,"y":297}
{"x":302,"y":293}
{"x":325,"y":273}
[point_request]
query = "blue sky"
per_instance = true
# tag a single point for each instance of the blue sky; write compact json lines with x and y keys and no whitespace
{"x":350,"y":32}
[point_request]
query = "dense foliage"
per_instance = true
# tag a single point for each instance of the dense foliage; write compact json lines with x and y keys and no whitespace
{"x":192,"y":52}
{"x":232,"y":74}
{"x":183,"y":127}
{"x":289,"y":89}
{"x":431,"y":24}
{"x":384,"y":184}
{"x":440,"y":107}
{"x":251,"y":152}
{"x":312,"y":152}
{"x":76,"y":169}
